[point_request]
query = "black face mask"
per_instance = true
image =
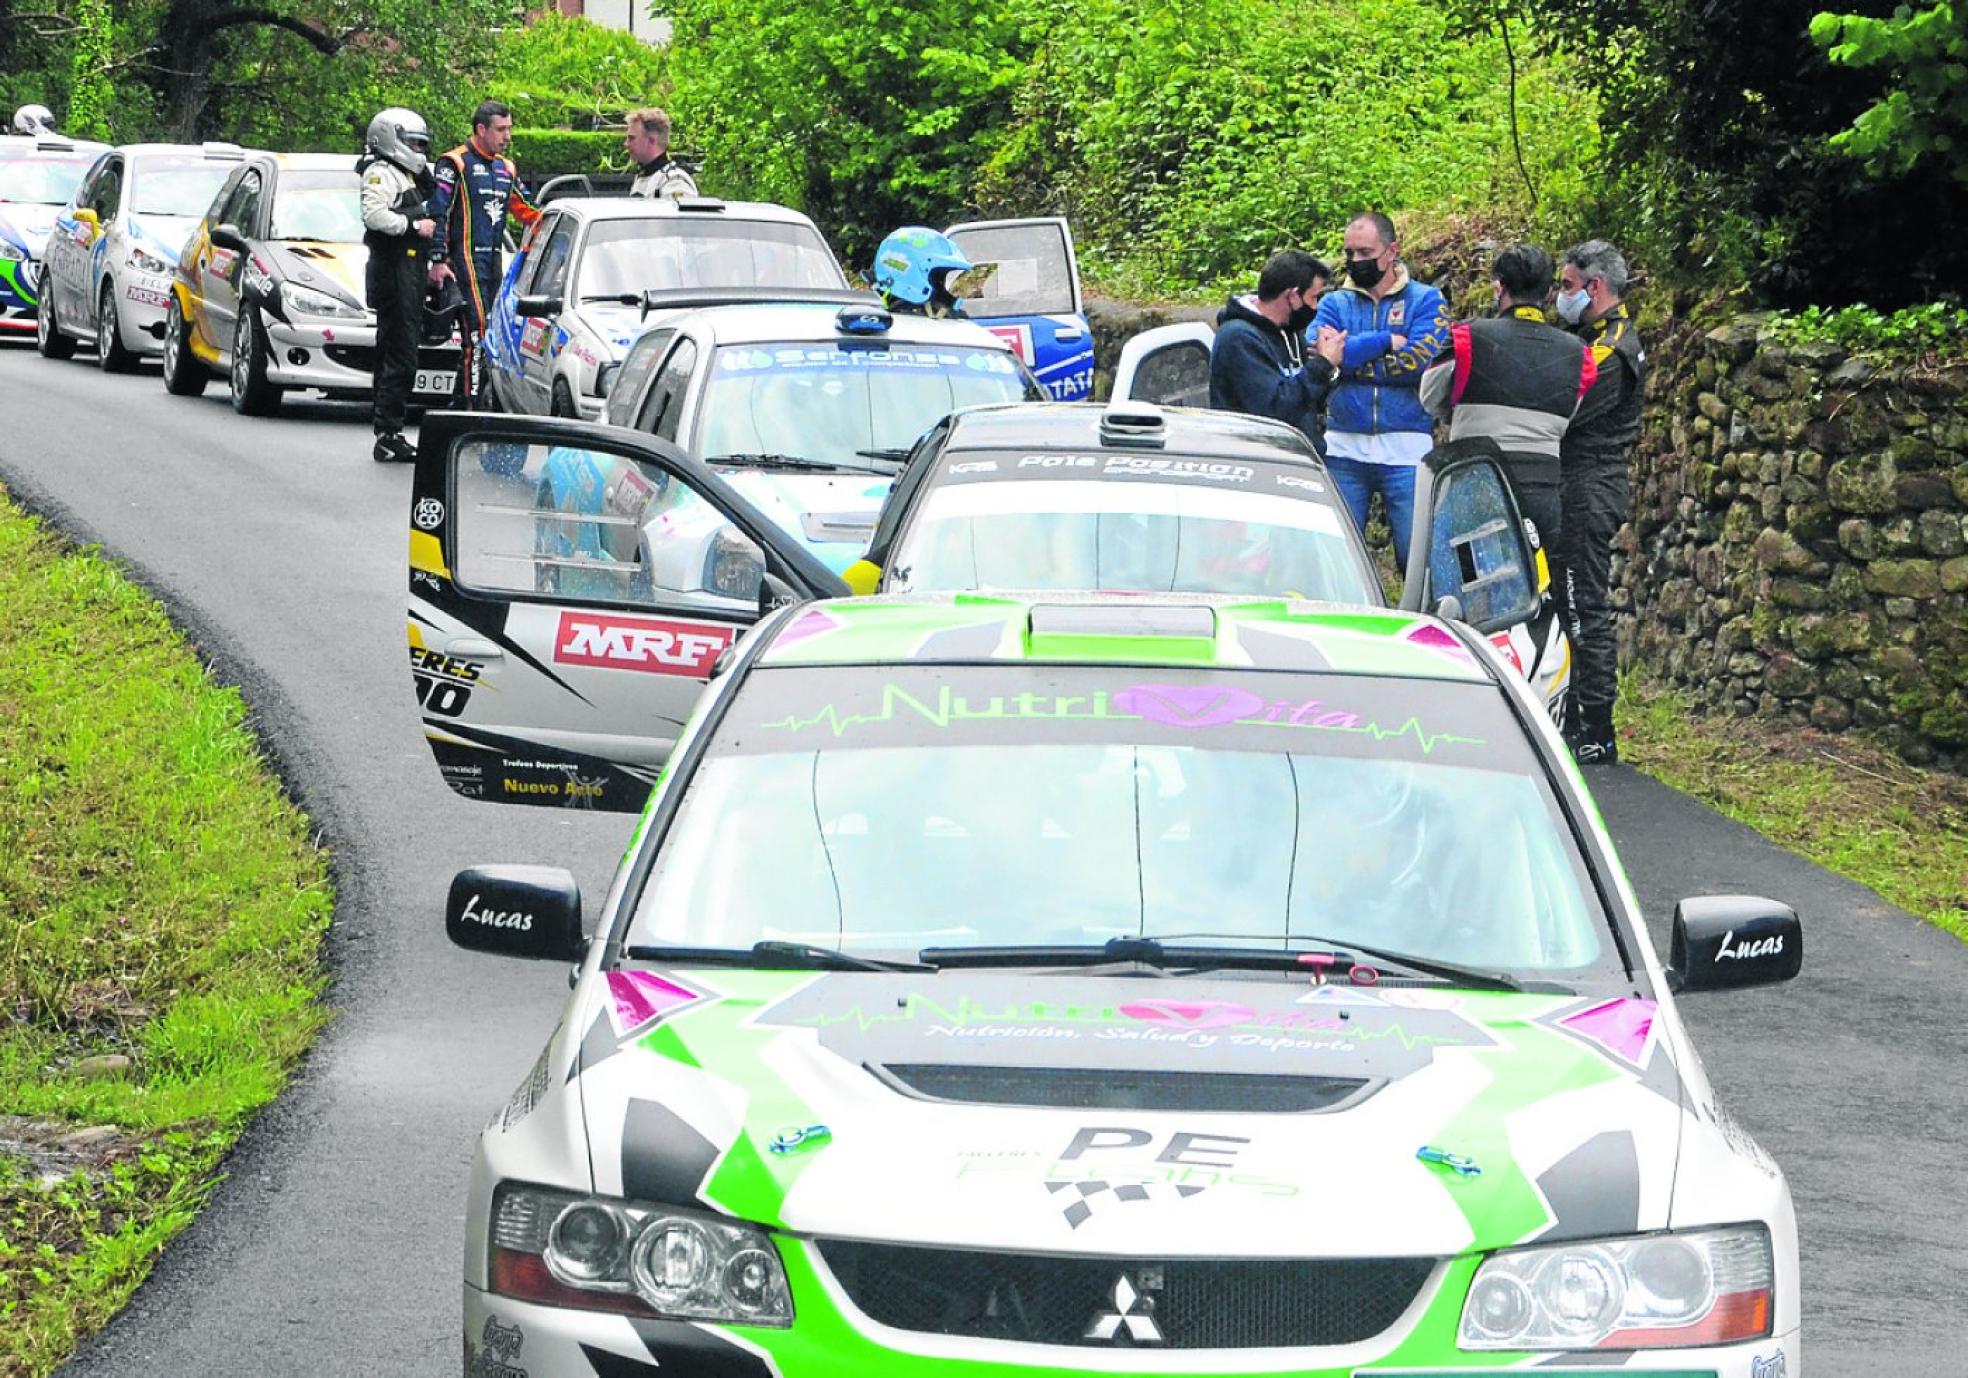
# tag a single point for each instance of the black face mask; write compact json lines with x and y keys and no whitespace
{"x":1365,"y":272}
{"x":1301,"y":319}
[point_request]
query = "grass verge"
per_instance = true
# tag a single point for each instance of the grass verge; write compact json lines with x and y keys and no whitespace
{"x":1852,"y":808}
{"x":161,"y":914}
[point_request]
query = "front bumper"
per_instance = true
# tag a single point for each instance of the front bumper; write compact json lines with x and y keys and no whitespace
{"x":142,"y":302}
{"x":20,"y":299}
{"x":340,"y":356}
{"x":830,"y":1339}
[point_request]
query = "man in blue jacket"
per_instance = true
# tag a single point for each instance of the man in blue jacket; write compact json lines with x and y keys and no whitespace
{"x":1259,"y":364}
{"x":1377,"y":431}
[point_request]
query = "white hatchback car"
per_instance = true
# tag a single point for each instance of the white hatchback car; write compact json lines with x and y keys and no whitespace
{"x":109,"y":260}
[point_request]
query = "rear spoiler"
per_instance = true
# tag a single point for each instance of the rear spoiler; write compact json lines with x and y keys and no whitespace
{"x":687,"y":298}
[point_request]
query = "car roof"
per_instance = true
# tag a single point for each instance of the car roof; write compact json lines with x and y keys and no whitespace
{"x":1079,"y":426}
{"x":765,"y":322}
{"x":1199,"y":631}
{"x":20,"y":145}
{"x":306,"y":162}
{"x":207,"y":152}
{"x":664,"y":208}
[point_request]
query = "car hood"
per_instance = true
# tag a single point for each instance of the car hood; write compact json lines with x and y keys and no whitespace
{"x":832,"y":515}
{"x":610,"y":325}
{"x":998,"y":1110}
{"x":164,"y":233}
{"x":28,"y":225}
{"x":334,"y":268}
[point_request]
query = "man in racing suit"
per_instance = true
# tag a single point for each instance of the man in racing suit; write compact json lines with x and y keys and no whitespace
{"x":477,"y":187}
{"x":657,"y":173}
{"x":397,"y":227}
{"x":1596,"y":496}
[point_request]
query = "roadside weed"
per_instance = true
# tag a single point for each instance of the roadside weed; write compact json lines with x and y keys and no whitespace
{"x":159,"y":962}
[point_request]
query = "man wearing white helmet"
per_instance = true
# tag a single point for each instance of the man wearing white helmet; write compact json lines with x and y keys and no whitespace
{"x":396,"y":188}
{"x":34,"y":120}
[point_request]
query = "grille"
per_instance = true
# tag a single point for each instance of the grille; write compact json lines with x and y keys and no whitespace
{"x":362,"y":358}
{"x":1111,"y":1089}
{"x":1192,"y":1303}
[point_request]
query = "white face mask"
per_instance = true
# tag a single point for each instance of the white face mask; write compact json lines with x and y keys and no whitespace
{"x":1571,"y":306}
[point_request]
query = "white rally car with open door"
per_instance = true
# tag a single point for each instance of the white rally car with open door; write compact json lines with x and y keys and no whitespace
{"x":565,"y":612}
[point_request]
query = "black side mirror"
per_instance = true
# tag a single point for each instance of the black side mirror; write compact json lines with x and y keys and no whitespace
{"x":516,"y":911}
{"x":538,"y":305}
{"x":1721,"y":942}
{"x":227,"y":236}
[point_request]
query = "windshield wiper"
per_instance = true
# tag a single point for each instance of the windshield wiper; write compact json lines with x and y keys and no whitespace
{"x":621,"y":298}
{"x":778,"y":461}
{"x":768,"y":954}
{"x":1153,"y":952}
{"x":894,"y":454}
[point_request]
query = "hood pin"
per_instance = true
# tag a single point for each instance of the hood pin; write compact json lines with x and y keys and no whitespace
{"x":1460,"y":1164}
{"x":790,"y":1139}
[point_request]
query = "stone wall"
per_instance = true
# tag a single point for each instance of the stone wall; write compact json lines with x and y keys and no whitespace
{"x":1799,"y":544}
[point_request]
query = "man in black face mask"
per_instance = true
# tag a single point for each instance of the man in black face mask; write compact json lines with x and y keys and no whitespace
{"x":1259,"y":363}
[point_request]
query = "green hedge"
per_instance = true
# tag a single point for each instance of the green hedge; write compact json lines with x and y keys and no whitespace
{"x":544,"y":152}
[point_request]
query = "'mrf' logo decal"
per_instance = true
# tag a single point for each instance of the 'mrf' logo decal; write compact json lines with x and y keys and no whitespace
{"x":639,"y":643}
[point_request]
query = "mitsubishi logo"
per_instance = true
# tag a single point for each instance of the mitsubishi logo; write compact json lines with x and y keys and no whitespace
{"x":1139,"y":1325}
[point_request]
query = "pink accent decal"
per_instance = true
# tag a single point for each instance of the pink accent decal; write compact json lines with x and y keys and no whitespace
{"x":807,"y":624}
{"x":1190,"y":1014}
{"x":1438,"y":639}
{"x":1621,"y":1027}
{"x":640,"y":996}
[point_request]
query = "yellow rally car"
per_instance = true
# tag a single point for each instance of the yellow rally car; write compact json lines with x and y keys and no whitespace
{"x":269,"y":290}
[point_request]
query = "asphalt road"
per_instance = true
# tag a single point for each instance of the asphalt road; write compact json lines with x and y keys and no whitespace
{"x":333,"y":1246}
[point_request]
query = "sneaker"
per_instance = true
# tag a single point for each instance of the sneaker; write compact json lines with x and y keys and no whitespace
{"x":1602,"y":752}
{"x":392,"y":448}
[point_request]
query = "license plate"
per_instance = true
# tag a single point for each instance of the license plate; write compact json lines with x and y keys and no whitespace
{"x":435,"y":380}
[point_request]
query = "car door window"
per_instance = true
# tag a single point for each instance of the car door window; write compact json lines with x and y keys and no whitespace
{"x":536,"y":252}
{"x":626,"y":395}
{"x":1034,"y":272}
{"x":222,"y":203}
{"x":107,"y":193}
{"x":663,"y":412}
{"x":583,"y":525}
{"x":551,"y":276}
{"x":243,"y":208}
{"x":1176,"y":375}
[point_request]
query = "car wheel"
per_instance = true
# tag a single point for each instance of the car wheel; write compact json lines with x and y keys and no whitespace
{"x":48,"y":337}
{"x":563,"y":400}
{"x":184,"y":375}
{"x":111,"y":355}
{"x":252,"y":394}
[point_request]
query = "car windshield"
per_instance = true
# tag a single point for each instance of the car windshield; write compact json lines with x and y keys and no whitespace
{"x":322,"y":206}
{"x":630,"y":257}
{"x":42,"y":181}
{"x":832,"y":400}
{"x":176,"y":188}
{"x":1220,"y":527}
{"x":911,"y":806}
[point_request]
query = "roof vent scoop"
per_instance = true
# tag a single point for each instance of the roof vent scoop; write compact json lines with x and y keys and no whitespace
{"x":1133,"y":423}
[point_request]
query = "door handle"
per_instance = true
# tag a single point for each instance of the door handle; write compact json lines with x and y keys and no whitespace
{"x":1068,"y":336}
{"x":474,"y":648}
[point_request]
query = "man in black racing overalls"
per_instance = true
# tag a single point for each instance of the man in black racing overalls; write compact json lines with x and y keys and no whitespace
{"x":477,"y":187}
{"x":1597,"y":497}
{"x":397,"y":228}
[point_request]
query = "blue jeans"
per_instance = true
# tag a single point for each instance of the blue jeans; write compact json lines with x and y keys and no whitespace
{"x":1357,"y":481}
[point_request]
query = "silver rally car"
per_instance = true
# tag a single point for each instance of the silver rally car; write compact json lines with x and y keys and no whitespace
{"x":109,"y":261}
{"x":591,"y":270}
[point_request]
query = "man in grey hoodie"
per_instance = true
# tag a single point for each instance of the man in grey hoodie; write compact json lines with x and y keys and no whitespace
{"x":1258,"y":361}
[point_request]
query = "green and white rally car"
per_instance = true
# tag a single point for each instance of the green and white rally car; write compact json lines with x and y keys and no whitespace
{"x":1185,"y":985}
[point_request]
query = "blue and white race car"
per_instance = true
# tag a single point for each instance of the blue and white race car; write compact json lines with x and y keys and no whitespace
{"x":37,"y":176}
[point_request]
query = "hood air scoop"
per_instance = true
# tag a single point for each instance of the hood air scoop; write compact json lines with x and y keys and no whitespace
{"x":1110,"y":1088}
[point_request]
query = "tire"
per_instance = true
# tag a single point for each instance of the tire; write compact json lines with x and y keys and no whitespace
{"x":184,"y":374}
{"x":48,"y":337}
{"x":252,"y":394}
{"x":563,"y":400}
{"x":111,"y":355}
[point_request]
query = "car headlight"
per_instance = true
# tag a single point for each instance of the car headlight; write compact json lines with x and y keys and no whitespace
{"x":1706,"y":1287}
{"x":305,"y":301}
{"x":144,"y":261}
{"x":599,"y":1254}
{"x":733,"y":567}
{"x":12,"y":252}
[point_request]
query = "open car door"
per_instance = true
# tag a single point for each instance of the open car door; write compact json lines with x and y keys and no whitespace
{"x":1473,"y":558}
{"x":1032,"y":298}
{"x":1169,"y":366}
{"x":571,"y":586}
